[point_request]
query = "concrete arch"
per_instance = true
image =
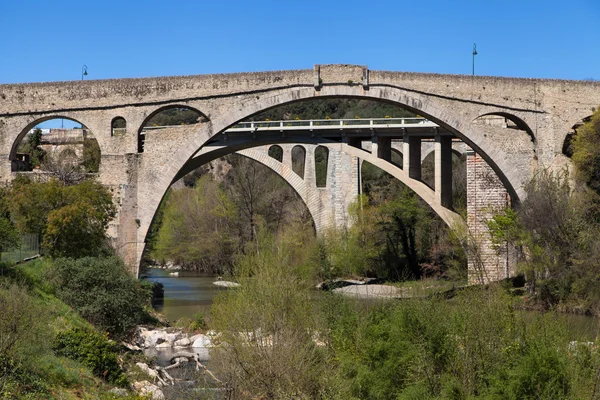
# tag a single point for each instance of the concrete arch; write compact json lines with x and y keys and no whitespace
{"x":451,"y":218}
{"x":299,"y":155}
{"x":430,"y":151}
{"x":276,"y":152}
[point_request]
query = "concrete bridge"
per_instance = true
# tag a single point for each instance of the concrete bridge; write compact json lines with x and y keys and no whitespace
{"x":513,"y":126}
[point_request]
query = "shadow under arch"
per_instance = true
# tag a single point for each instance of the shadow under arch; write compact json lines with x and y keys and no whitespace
{"x":518,"y":122}
{"x":140,"y":136}
{"x":33,"y":124}
{"x":171,"y":107}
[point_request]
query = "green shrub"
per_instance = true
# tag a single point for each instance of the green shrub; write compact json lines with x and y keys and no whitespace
{"x":199,"y":322}
{"x":101,"y":291}
{"x":94,"y":351}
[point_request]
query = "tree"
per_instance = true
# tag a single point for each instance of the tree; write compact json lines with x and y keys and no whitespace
{"x":71,"y":219}
{"x":586,"y":151}
{"x":198,"y":227}
{"x":32,"y":147}
{"x":101,"y":291}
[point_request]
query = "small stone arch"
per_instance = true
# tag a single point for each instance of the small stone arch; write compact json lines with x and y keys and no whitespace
{"x":298,"y":160}
{"x":276,"y":152}
{"x":195,"y":116}
{"x":18,"y":161}
{"x":567,"y":146}
{"x":321,"y":166}
{"x":505,"y":120}
{"x":118,"y":126}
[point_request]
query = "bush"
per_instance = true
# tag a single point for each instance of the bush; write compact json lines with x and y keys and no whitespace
{"x":94,"y":351}
{"x":101,"y":291}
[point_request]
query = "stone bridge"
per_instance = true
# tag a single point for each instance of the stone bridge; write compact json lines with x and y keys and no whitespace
{"x":513,"y":126}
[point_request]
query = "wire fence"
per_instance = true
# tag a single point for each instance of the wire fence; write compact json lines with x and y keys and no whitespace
{"x":30,"y":246}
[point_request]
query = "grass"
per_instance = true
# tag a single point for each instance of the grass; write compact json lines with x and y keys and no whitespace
{"x":42,"y":374}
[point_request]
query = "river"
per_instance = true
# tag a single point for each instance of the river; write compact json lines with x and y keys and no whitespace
{"x":189,"y":293}
{"x":192,"y":292}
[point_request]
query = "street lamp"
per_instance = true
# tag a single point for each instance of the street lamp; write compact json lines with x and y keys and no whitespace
{"x":474,"y":54}
{"x":83,"y":71}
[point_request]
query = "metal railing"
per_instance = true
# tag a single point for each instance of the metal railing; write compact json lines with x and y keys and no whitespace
{"x":321,"y":124}
{"x":336,"y":123}
{"x":30,"y":247}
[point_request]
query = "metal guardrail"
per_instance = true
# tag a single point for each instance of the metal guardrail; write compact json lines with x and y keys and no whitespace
{"x":322,"y":124}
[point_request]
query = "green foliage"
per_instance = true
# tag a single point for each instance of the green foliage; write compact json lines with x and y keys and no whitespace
{"x":91,"y":155}
{"x":197,"y":227}
{"x":71,"y":219}
{"x":586,"y":151}
{"x":333,"y":108}
{"x":94,"y":351}
{"x":267,"y":326}
{"x":556,"y":228}
{"x":101,"y":291}
{"x":175,"y":116}
{"x":19,"y":326}
{"x":198,"y":322}
{"x":32,"y":147}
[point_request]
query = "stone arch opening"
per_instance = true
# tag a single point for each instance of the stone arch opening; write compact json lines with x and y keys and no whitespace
{"x":276,"y":152}
{"x":505,"y":120}
{"x":567,"y":146}
{"x":118,"y":126}
{"x":237,"y":164}
{"x":46,"y":143}
{"x":169,"y":116}
{"x":321,"y":166}
{"x":255,"y":105}
{"x":298,"y":160}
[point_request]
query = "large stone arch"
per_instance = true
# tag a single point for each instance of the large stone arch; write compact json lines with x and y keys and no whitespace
{"x":508,"y":167}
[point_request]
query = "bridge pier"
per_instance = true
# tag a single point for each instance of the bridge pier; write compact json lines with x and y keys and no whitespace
{"x":486,"y":196}
{"x":411,"y":156}
{"x":443,"y":170}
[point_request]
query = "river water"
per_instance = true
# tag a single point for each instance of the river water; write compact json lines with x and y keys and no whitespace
{"x":193,"y":292}
{"x":189,"y":293}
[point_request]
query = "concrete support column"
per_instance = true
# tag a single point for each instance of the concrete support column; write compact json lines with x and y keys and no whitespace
{"x":384,"y":148}
{"x":411,"y":156}
{"x":443,"y":170}
{"x":352,"y":141}
{"x":287,"y":156}
{"x":309,"y":166}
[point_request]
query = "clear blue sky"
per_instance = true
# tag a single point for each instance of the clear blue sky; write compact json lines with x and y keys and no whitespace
{"x":50,"y":40}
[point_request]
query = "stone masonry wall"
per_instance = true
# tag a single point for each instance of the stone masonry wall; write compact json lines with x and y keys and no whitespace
{"x":486,"y":196}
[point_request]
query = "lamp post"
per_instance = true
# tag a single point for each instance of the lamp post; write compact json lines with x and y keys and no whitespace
{"x":474,"y":54}
{"x":83,"y":71}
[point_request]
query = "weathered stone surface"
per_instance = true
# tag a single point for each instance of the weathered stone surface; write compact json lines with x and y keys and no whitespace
{"x":544,"y":111}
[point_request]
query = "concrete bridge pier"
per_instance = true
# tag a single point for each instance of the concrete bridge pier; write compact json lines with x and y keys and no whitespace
{"x":411,"y":156}
{"x":443,"y":170}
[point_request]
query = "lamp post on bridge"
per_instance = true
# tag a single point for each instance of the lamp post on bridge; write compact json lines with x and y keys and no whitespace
{"x":474,"y":54}
{"x":83,"y":71}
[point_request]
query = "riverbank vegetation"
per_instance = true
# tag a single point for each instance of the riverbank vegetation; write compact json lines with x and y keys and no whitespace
{"x":63,"y":314}
{"x":556,"y":230}
{"x":280,"y":340}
